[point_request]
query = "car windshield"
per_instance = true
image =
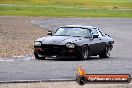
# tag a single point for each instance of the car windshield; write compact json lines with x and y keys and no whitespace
{"x":76,"y":32}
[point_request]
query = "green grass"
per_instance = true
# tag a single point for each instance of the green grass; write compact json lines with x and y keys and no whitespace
{"x":67,"y":8}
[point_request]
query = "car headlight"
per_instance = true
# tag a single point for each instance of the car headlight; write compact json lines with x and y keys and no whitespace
{"x":70,"y":45}
{"x":37,"y":44}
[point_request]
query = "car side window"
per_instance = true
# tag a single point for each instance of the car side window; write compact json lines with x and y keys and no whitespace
{"x":101,"y":33}
{"x":94,"y":32}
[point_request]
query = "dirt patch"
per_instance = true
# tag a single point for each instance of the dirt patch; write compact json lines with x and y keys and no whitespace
{"x":17,"y":35}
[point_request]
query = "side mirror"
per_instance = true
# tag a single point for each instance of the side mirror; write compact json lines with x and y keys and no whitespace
{"x":95,"y":36}
{"x":49,"y":33}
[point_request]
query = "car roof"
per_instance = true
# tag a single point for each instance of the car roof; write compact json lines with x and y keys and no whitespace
{"x":89,"y":27}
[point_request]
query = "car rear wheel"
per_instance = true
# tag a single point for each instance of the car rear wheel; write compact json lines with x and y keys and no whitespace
{"x":39,"y":57}
{"x":84,"y":53}
{"x":106,"y":53}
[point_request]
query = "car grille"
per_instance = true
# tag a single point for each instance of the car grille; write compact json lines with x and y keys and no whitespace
{"x":54,"y":49}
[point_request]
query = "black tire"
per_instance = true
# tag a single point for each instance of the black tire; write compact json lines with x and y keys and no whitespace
{"x":84,"y":52}
{"x":39,"y":58}
{"x":81,"y":80}
{"x":106,"y":52}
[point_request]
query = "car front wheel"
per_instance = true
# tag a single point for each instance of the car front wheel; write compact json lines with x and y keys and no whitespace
{"x":84,"y":53}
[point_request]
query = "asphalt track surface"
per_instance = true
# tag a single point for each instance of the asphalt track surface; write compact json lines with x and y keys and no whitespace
{"x":27,"y":68}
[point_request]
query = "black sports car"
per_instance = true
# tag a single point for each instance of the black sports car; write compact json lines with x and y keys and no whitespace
{"x":74,"y":40}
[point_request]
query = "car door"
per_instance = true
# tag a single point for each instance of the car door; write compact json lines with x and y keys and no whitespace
{"x":102,"y":42}
{"x":93,"y":43}
{"x":96,"y":44}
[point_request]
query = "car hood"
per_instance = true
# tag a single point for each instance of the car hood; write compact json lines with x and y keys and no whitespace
{"x":60,"y":40}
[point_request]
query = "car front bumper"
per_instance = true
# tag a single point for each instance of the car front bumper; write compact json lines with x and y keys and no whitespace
{"x":57,"y":51}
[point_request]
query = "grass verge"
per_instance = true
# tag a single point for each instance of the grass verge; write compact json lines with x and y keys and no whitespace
{"x":67,"y":8}
{"x":62,"y":11}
